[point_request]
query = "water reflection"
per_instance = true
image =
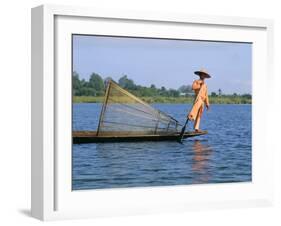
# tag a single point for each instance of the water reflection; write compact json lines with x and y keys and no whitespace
{"x":201,"y":161}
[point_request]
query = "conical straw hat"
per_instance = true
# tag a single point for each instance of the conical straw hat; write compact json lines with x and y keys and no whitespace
{"x":203,"y":73}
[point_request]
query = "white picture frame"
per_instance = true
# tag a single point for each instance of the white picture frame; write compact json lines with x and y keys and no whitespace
{"x":52,"y":197}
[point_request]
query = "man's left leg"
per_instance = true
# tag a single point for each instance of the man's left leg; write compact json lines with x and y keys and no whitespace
{"x":198,"y":119}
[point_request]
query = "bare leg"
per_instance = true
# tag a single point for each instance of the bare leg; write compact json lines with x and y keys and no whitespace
{"x":198,"y":119}
{"x":197,"y":122}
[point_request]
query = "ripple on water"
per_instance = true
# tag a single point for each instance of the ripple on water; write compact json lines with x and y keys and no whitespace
{"x":224,"y":155}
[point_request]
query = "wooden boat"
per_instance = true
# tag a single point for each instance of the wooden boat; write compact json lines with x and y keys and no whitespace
{"x":80,"y":137}
{"x":125,"y":117}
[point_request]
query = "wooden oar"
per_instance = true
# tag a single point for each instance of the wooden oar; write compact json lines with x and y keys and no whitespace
{"x":182,"y":131}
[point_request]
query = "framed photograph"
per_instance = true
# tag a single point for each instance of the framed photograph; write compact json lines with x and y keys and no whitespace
{"x":138,"y":112}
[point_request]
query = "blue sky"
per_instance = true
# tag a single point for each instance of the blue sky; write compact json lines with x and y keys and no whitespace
{"x":163,"y":62}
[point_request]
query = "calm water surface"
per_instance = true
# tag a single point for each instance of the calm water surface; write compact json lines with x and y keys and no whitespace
{"x":223,"y":155}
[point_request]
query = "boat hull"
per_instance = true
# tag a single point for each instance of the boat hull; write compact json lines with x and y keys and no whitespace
{"x":80,"y":137}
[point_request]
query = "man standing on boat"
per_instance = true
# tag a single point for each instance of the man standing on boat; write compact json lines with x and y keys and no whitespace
{"x":201,"y":98}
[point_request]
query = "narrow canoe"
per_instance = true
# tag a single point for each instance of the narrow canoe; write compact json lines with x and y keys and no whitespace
{"x":80,"y":137}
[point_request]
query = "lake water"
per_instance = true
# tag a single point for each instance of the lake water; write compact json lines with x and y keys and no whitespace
{"x":223,"y":155}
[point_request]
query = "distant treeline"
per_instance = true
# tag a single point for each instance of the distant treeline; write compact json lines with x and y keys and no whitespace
{"x":94,"y":89}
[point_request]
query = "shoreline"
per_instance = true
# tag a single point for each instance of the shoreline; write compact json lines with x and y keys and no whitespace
{"x":170,"y":100}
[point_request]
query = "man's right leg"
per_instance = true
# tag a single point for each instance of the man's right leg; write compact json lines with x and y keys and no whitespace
{"x":197,"y":122}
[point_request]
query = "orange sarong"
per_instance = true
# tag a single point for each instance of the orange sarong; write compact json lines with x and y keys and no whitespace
{"x":201,"y":98}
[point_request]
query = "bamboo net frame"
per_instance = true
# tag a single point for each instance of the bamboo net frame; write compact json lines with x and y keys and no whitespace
{"x":123,"y":113}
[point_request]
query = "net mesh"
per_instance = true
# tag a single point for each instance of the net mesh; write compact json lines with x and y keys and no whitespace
{"x":125,"y":114}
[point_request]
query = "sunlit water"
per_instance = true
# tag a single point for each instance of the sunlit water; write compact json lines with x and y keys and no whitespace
{"x":223,"y":155}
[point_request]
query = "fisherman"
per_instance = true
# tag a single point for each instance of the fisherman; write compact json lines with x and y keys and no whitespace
{"x":201,"y":98}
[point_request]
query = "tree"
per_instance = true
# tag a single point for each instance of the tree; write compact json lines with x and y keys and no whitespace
{"x":174,"y":93}
{"x":163,"y":89}
{"x":213,"y":94}
{"x":247,"y":95}
{"x":87,"y":91}
{"x":96,"y":83}
{"x":185,"y":89}
{"x":126,"y":83}
{"x":76,"y":84}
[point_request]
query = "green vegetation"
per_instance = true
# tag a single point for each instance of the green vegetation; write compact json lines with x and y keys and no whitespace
{"x":93,"y":91}
{"x":88,"y":99}
{"x":175,"y":100}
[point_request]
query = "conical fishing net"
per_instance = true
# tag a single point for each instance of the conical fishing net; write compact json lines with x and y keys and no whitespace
{"x":124,"y":114}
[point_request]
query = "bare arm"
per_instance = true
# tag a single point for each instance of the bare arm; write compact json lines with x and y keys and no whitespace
{"x":207,"y":103}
